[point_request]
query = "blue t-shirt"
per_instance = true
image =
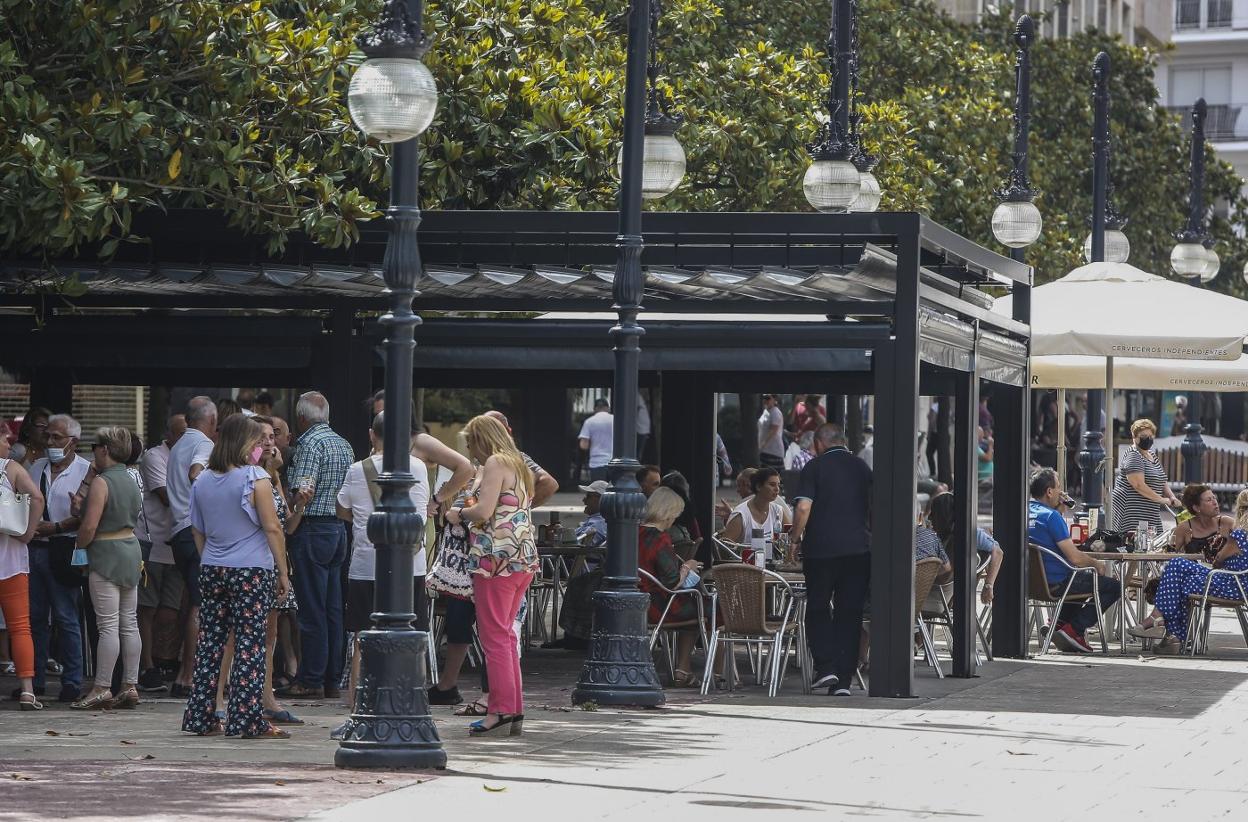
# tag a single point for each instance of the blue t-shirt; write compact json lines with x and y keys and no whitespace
{"x":221,"y":510}
{"x":1047,"y":527}
{"x":984,"y":543}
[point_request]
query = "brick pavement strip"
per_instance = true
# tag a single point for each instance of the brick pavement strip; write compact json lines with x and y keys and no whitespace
{"x":1059,"y":738}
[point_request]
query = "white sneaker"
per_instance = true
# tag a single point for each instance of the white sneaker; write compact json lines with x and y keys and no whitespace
{"x":8,"y":669}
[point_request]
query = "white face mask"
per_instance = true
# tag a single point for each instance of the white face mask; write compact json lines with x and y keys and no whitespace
{"x":55,"y":455}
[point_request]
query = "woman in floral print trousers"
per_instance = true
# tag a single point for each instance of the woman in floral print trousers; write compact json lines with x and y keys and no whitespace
{"x":243,"y":567}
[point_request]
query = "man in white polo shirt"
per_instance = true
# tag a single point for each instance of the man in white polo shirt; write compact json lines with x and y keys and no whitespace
{"x":187,"y":458}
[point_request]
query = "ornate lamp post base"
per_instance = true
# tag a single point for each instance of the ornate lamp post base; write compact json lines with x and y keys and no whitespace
{"x":391,"y":726}
{"x":619,"y":669}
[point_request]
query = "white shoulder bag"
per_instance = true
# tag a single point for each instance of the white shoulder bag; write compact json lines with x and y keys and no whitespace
{"x":14,"y":507}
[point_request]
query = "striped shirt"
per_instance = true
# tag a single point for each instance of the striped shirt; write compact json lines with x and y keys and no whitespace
{"x":1130,"y":508}
{"x":325,"y":457}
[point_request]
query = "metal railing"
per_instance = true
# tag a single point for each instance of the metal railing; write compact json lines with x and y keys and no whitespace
{"x":1221,"y":124}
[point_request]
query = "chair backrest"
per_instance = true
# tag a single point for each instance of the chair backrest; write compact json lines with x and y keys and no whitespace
{"x":925,"y":573}
{"x":742,"y":597}
{"x":1037,"y":579}
{"x":726,"y":551}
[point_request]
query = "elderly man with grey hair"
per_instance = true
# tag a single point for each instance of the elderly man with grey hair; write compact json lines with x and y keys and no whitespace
{"x":318,"y":547}
{"x":56,"y":587}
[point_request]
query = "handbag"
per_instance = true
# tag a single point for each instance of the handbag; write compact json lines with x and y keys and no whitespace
{"x":14,"y":507}
{"x":448,"y":575}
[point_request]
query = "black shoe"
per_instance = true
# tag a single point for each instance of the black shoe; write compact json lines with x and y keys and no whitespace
{"x":450,"y":696}
{"x":840,"y":692}
{"x":151,"y":680}
{"x":825,"y":681}
{"x":179,"y":691}
{"x":69,"y":693}
{"x":40,"y":690}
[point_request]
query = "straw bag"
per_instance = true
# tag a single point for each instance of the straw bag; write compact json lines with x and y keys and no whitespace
{"x":14,"y":507}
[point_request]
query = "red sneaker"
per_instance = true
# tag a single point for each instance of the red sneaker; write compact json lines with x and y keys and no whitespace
{"x":1069,"y":640}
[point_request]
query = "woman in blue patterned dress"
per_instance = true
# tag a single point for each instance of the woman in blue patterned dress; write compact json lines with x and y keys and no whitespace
{"x":1184,"y":577}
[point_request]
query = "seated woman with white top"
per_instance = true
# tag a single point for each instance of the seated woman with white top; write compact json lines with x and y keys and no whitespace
{"x":762,"y":512}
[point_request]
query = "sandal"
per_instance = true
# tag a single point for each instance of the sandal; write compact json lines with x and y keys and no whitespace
{"x":215,"y":729}
{"x":282,"y":717}
{"x":684,"y":679}
{"x":32,"y":704}
{"x":474,"y":708}
{"x":127,"y":699}
{"x":271,"y":733}
{"x":100,"y":702}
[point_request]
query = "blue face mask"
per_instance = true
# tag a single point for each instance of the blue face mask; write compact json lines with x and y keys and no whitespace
{"x":691,"y":580}
{"x":55,"y":455}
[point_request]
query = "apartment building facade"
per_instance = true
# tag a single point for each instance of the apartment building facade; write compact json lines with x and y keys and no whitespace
{"x":1210,"y":60}
{"x":1139,"y":22}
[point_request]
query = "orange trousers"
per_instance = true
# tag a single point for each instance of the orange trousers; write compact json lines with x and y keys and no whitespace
{"x":15,"y":604}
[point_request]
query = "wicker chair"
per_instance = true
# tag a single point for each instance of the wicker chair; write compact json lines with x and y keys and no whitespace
{"x":1040,"y":595}
{"x":726,"y":550}
{"x":925,"y":573}
{"x":663,"y":631}
{"x":1199,"y":607}
{"x":740,"y":599}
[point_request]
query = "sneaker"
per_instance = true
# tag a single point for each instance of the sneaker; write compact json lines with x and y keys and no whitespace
{"x":53,"y":667}
{"x":840,"y":692}
{"x":8,"y":669}
{"x":69,"y":693}
{"x":1070,"y":641}
{"x":151,"y":680}
{"x":824,"y":681}
{"x":340,"y":731}
{"x":1158,"y":631}
{"x":450,"y":696}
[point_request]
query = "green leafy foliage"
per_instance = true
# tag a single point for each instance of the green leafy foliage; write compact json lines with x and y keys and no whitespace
{"x":114,"y":106}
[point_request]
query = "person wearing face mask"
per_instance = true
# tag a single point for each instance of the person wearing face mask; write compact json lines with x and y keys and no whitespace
{"x":239,"y":538}
{"x":1142,"y":486}
{"x":55,"y":586}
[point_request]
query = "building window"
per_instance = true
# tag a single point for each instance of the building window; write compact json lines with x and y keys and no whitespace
{"x":1187,"y":85}
{"x":1202,"y":14}
{"x":1102,"y":15}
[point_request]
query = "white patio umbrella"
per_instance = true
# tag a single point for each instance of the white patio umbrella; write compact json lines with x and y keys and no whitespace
{"x":1105,"y":317}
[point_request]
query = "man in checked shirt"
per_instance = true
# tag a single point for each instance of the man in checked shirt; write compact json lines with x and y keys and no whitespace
{"x":318,"y":547}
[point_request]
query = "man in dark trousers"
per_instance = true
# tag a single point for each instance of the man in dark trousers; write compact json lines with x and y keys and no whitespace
{"x":831,"y":526}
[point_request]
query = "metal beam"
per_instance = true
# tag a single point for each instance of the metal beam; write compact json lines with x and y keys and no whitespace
{"x":965,"y":494}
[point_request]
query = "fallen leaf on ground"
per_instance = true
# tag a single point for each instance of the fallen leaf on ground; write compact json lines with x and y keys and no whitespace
{"x":53,"y":733}
{"x":494,"y":788}
{"x":278,"y":782}
{"x":139,"y":758}
{"x":71,"y":733}
{"x":21,"y":777}
{"x":1019,"y":753}
{"x":128,"y":742}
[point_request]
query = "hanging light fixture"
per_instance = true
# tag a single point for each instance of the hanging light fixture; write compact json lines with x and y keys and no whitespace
{"x":1213,"y":263}
{"x":1117,"y":246}
{"x":663,"y":157}
{"x":1191,"y":257}
{"x":1017,"y":222}
{"x":833,"y":182}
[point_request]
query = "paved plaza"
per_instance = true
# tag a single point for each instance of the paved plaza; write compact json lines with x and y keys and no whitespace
{"x":1062,"y":738}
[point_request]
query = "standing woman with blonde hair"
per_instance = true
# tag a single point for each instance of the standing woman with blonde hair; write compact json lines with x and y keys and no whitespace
{"x":1141,"y":487}
{"x":115,"y":560}
{"x":502,"y":559}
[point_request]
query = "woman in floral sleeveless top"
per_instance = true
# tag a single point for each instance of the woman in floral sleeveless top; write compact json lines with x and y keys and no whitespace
{"x":502,"y":558}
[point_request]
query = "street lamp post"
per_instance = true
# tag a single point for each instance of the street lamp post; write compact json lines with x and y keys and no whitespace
{"x":1017,"y":222}
{"x":1191,"y":259}
{"x":1092,"y":457}
{"x":393,"y":98}
{"x":619,"y":668}
{"x":832,"y":182}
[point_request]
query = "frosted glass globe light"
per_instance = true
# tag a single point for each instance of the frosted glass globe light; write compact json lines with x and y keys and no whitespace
{"x":1213,"y":263}
{"x":1188,"y":259}
{"x":392,"y":98}
{"x":662,"y":165}
{"x":1245,"y":274}
{"x":832,"y":185}
{"x":1117,"y":247}
{"x":1017,"y":224}
{"x":869,"y":194}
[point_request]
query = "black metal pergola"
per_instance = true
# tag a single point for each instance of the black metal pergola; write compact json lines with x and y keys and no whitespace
{"x":887,"y":304}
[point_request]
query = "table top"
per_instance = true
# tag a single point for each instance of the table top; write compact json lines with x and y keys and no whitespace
{"x":571,"y":550}
{"x":1153,"y":557}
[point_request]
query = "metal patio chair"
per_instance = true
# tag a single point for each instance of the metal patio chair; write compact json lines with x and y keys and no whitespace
{"x":1041,"y":595}
{"x":1199,"y":607}
{"x":662,"y":633}
{"x":740,"y":602}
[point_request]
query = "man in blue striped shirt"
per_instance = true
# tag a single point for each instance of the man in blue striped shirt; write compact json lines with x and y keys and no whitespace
{"x":318,"y":547}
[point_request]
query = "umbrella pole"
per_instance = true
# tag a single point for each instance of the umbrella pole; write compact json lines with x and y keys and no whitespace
{"x":1061,"y":436}
{"x":1111,"y":458}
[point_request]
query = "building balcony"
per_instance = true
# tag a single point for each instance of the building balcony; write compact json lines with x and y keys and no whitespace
{"x":1202,"y":15}
{"x":1222,"y":124}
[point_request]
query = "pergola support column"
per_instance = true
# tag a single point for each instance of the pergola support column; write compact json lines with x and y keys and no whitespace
{"x":965,"y":494}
